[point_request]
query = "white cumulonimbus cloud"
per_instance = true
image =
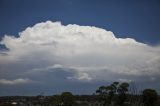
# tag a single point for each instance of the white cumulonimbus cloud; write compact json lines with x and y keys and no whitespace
{"x":90,"y":53}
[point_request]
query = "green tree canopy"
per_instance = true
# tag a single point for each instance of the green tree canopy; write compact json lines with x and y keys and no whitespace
{"x":149,"y":97}
{"x":67,"y":99}
{"x":110,"y":92}
{"x":56,"y":100}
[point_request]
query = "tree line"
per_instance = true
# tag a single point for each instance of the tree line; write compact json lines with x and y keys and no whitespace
{"x":115,"y":94}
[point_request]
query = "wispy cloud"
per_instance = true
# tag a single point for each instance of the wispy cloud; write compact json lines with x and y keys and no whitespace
{"x":15,"y":81}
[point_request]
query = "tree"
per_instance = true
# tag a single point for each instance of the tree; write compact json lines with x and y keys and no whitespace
{"x":122,"y":93}
{"x":56,"y":100}
{"x":67,"y":99}
{"x":108,"y":94}
{"x":112,"y":90}
{"x":149,"y":97}
{"x":102,"y":93}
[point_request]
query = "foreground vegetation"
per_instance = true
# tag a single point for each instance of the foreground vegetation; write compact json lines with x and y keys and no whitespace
{"x":118,"y":94}
{"x":115,"y":94}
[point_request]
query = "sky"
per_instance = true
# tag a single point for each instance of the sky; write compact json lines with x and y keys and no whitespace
{"x":51,"y":46}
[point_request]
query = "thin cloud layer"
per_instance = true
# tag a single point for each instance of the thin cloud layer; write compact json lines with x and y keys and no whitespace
{"x":88,"y":53}
{"x":14,"y":82}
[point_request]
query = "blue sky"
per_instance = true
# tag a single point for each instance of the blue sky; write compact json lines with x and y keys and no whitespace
{"x":42,"y":53}
{"x":137,"y":19}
